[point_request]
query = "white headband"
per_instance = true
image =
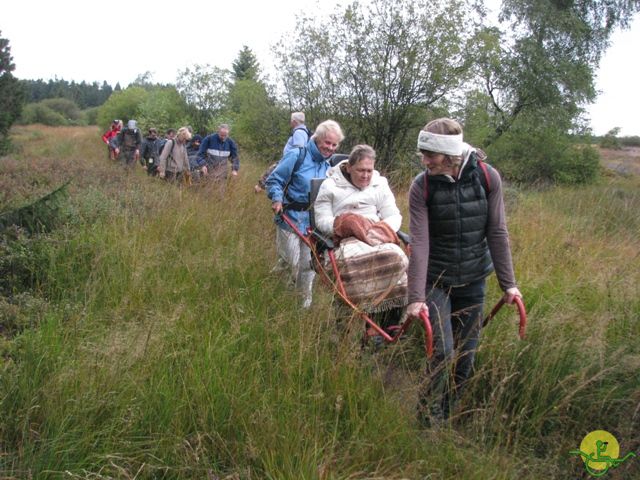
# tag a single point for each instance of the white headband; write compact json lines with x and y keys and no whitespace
{"x":434,"y":142}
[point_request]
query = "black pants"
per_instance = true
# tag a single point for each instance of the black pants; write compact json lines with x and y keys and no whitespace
{"x":456,"y":319}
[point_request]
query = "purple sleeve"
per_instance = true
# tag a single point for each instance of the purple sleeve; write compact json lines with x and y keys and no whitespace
{"x":497,"y":234}
{"x":419,"y":230}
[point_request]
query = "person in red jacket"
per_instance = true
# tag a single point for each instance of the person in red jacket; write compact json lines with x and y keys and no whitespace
{"x":110,"y":135}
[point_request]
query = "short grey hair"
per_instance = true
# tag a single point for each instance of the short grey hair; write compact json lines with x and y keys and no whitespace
{"x":297,"y":117}
{"x":224,"y":126}
{"x":360,"y":152}
{"x":328,"y":126}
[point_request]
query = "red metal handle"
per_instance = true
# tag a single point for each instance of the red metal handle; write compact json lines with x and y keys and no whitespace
{"x":293,"y":226}
{"x":521,"y":311}
{"x":428,"y":333}
{"x":399,"y":331}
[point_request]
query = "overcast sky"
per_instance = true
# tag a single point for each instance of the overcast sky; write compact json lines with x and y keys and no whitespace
{"x":117,"y":41}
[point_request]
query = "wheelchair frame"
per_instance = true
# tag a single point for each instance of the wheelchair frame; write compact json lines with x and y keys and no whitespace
{"x":317,"y":243}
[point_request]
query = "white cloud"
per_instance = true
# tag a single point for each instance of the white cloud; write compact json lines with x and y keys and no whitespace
{"x":96,"y":41}
{"x":619,"y":101}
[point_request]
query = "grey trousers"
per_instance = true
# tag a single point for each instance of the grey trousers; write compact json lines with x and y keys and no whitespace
{"x":295,"y":253}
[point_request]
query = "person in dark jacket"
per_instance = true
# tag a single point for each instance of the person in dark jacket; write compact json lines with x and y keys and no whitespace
{"x":216,"y":151}
{"x":192,"y":151}
{"x":458,"y":237}
{"x":150,"y":153}
{"x":129,"y":141}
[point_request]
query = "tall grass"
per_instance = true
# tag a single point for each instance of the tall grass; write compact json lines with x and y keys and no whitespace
{"x":578,"y":263}
{"x":166,"y":349}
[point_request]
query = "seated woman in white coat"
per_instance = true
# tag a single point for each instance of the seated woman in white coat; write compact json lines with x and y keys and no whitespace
{"x":358,"y":209}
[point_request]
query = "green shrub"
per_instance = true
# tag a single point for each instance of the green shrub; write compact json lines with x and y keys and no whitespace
{"x":23,"y":261}
{"x":37,"y":216}
{"x":541,"y":153}
{"x":124,"y":105}
{"x":39,"y":113}
{"x":91,"y":115}
{"x":259,"y":124}
{"x":162,"y":108}
{"x":5,"y":144}
{"x":54,"y":112}
{"x":19,"y":312}
{"x":579,"y":166}
{"x":159,"y":107}
{"x":611,"y":140}
{"x":633,"y":141}
{"x":65,"y":107}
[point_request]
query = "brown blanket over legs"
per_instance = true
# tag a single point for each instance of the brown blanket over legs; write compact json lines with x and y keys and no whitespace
{"x":374,"y":277}
{"x":372,"y":233}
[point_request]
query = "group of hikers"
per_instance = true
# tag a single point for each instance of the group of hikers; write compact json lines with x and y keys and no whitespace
{"x":457,"y":227}
{"x":179,"y":155}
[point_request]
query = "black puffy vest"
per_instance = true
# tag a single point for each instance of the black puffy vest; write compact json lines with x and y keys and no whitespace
{"x":458,"y":251}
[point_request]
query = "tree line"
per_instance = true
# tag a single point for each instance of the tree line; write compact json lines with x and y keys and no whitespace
{"x":83,"y":94}
{"x":518,"y":81}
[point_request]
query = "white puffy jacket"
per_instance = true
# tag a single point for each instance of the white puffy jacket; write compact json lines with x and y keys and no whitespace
{"x":338,"y":195}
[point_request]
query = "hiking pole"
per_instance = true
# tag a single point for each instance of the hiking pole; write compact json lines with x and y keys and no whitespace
{"x":521,"y":311}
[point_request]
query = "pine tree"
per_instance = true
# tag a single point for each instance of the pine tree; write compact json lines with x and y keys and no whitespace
{"x":11,"y":94}
{"x":246,"y":66}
